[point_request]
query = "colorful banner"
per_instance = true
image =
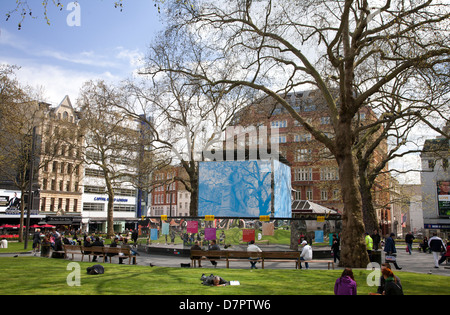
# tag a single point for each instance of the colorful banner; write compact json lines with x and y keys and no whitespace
{"x":318,"y":236}
{"x":154,"y":234}
{"x":165,"y":229}
{"x":210,"y":234}
{"x":192,"y":227}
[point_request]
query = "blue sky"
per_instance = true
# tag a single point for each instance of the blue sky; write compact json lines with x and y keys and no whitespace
{"x":108,"y":44}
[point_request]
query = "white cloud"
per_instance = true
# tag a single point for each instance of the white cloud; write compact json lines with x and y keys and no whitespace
{"x":56,"y":81}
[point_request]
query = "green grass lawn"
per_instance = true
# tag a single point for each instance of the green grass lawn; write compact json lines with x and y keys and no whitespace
{"x":44,"y":276}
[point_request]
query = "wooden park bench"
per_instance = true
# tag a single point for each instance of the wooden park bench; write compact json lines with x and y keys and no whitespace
{"x":73,"y":250}
{"x":329,"y":262}
{"x":281,"y":257}
{"x":214,"y":255}
{"x":120,"y":252}
{"x":93,"y":251}
{"x":265,"y":256}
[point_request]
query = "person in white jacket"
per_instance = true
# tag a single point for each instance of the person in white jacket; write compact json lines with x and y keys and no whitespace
{"x":253,"y":248}
{"x":306,"y":254}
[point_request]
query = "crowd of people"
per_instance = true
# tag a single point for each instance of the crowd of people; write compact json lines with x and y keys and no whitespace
{"x":53,"y":240}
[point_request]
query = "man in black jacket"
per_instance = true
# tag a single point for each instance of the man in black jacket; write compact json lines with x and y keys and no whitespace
{"x":99,"y":243}
{"x":437,"y":246}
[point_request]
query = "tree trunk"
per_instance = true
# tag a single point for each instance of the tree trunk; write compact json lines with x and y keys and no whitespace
{"x":295,"y":235}
{"x":193,"y":207}
{"x":365,"y":187}
{"x":369,"y":213}
{"x":353,"y":247}
{"x":110,"y":211}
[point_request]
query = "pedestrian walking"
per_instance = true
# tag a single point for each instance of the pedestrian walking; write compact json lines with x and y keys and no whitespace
{"x":391,"y":251}
{"x":335,"y":248}
{"x":437,"y":246}
{"x":409,"y":242}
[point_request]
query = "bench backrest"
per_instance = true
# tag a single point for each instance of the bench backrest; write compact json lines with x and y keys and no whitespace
{"x":72,"y":248}
{"x":282,"y":255}
{"x":94,"y":249}
{"x":116,"y":250}
{"x":243,"y":254}
{"x":209,"y":253}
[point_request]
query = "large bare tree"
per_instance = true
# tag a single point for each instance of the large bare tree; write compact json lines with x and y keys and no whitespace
{"x":113,"y":143}
{"x":353,"y":47}
{"x":185,"y":116}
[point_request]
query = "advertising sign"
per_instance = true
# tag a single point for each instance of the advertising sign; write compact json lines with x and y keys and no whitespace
{"x":443,"y":192}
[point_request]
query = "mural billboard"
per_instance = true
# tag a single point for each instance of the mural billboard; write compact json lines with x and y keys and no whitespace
{"x":238,"y":188}
{"x":282,"y":187}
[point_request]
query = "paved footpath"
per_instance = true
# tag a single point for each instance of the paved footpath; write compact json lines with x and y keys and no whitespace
{"x":416,"y":262}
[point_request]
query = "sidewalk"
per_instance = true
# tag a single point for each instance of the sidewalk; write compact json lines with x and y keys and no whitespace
{"x":416,"y":262}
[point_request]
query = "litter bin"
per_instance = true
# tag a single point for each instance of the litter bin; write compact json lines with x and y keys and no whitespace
{"x":376,"y":256}
{"x":45,"y":250}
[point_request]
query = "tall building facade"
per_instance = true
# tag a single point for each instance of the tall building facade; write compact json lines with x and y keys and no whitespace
{"x":435,"y":181}
{"x":315,"y":174}
{"x":72,"y":191}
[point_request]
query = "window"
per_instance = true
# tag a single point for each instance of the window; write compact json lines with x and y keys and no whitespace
{"x":279,"y":124}
{"x":297,"y":195}
{"x":324,"y":195}
{"x":303,"y":174}
{"x":123,"y":208}
{"x":302,"y":137}
{"x":94,"y":189}
{"x":302,"y":155}
{"x":329,"y":173}
{"x":91,"y":206}
{"x":309,"y":194}
{"x":336,"y":194}
{"x":325,"y":120}
{"x":279,"y":139}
